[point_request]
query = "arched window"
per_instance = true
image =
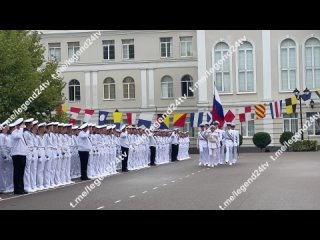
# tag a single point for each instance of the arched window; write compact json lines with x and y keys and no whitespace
{"x":246,"y":67}
{"x":109,"y":89}
{"x":312,"y":63}
{"x":222,"y":75}
{"x":186,"y":82}
{"x":128,"y":88}
{"x":167,"y":87}
{"x":74,"y":90}
{"x":288,"y":64}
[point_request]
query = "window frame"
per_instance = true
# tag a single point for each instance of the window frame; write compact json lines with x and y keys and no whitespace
{"x":128,"y":89}
{"x":109,"y":88}
{"x":230,"y":68}
{"x":128,"y":51}
{"x":55,"y":48}
{"x":74,"y":51}
{"x":166,"y":47}
{"x":254,"y":69}
{"x":167,"y":86}
{"x":280,"y":67}
{"x":108,"y":45}
{"x":186,"y":42}
{"x":191,"y":81}
{"x":304,"y":59}
{"x":74,"y":86}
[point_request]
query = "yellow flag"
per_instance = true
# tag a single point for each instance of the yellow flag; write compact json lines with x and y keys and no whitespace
{"x":117,"y":117}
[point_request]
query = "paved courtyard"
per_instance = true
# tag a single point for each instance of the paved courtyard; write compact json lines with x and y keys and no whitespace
{"x":290,"y":182}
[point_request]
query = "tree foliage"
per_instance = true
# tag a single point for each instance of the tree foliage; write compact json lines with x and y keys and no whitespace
{"x":22,"y":70}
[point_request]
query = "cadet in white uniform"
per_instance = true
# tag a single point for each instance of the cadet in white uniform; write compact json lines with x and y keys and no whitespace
{"x":236,"y":143}
{"x":19,"y":152}
{"x":84,"y":147}
{"x":213,"y":145}
{"x":229,"y":143}
{"x":175,"y":144}
{"x":8,"y":163}
{"x":222,"y":142}
{"x":202,"y":144}
{"x":41,"y":149}
{"x":29,"y":139}
{"x":124,"y":148}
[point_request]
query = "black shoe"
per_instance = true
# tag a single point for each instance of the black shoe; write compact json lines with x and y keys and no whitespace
{"x":21,"y":193}
{"x":126,"y":170}
{"x":85,"y":178}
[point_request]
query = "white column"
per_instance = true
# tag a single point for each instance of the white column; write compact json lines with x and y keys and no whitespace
{"x":94,"y":88}
{"x":151,"y":88}
{"x":202,"y":67}
{"x":144,"y":96}
{"x":266,"y":64}
{"x":88,"y":89}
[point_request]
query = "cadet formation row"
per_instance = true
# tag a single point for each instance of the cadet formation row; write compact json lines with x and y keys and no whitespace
{"x":217,"y":146}
{"x":37,"y":156}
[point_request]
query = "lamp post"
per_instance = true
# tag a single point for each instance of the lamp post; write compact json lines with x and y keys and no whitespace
{"x":298,"y":96}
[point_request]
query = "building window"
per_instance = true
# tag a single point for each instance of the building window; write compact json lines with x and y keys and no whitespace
{"x":290,"y":122}
{"x":109,"y":89}
{"x":222,"y":75}
{"x":166,"y":47}
{"x":108,"y":49}
{"x":74,"y":90}
{"x":186,"y":83}
{"x":55,"y":51}
{"x":288,"y":65}
{"x":167,"y":87}
{"x":247,"y":128}
{"x":73,"y":47}
{"x":186,"y":46}
{"x":128,"y":49}
{"x":312,"y":63}
{"x":128,"y":88}
{"x":246,"y":68}
{"x":314,"y":129}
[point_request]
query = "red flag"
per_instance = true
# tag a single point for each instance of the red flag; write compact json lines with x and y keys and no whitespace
{"x":229,"y":116}
{"x":129,"y":118}
{"x":87,"y":114}
{"x":74,"y":114}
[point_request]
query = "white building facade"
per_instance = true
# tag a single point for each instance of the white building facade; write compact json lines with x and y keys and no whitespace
{"x":146,"y":70}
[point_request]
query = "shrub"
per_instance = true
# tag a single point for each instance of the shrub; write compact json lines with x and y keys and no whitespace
{"x":261,"y":140}
{"x":241,"y":139}
{"x":285,"y":137}
{"x":305,"y":145}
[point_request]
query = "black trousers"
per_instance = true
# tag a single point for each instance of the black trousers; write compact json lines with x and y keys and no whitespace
{"x":84,"y":158}
{"x":174,"y":152}
{"x":19,"y":165}
{"x":124,"y":162}
{"x":152,"y":155}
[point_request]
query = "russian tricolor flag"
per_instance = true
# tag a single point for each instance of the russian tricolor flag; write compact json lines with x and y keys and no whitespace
{"x":217,"y":109}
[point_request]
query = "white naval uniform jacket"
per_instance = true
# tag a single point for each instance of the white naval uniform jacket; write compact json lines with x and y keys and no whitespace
{"x":84,"y":144}
{"x":174,"y":138}
{"x":202,"y":140}
{"x":124,"y":139}
{"x":213,"y":140}
{"x":19,"y":145}
{"x":229,"y":137}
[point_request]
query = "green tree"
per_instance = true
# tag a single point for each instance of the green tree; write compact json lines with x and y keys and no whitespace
{"x":22,"y":70}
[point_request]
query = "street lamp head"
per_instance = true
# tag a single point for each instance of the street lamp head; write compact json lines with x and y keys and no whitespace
{"x":296,"y":92}
{"x":306,"y":91}
{"x":312,"y":104}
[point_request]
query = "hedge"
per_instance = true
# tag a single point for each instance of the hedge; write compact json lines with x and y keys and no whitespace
{"x":305,"y":145}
